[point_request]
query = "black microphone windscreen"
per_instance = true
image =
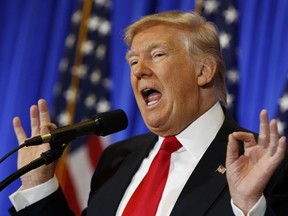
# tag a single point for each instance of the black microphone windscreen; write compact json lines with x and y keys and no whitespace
{"x":111,"y":122}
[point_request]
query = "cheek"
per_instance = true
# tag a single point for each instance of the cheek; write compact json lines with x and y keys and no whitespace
{"x":186,"y":91}
{"x":134,"y":86}
{"x":183,"y":82}
{"x":133,"y":82}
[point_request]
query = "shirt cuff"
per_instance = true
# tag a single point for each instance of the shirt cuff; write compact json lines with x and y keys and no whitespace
{"x":23,"y":198}
{"x":258,"y":209}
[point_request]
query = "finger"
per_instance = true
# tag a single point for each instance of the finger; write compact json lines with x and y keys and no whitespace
{"x":263,"y":139}
{"x":18,"y":129}
{"x":281,"y":149}
{"x":44,"y":116}
{"x":34,"y":120}
{"x":232,"y":150}
{"x":274,"y":137}
{"x":247,"y":138}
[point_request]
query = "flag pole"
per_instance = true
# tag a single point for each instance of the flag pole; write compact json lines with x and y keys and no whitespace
{"x":199,"y":6}
{"x":74,"y":85}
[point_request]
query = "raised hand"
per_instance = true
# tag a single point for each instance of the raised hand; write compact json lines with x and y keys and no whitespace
{"x":248,"y":174}
{"x":40,"y":124}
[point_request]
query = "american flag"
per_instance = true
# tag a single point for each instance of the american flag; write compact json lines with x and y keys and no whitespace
{"x":282,"y":113}
{"x":83,"y":90}
{"x":224,"y":14}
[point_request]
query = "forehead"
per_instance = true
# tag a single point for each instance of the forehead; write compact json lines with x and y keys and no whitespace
{"x":157,"y":36}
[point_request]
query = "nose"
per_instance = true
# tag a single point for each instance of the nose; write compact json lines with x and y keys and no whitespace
{"x":142,"y":69}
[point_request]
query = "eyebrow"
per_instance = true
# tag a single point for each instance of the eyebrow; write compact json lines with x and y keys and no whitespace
{"x":129,"y":54}
{"x":150,"y":47}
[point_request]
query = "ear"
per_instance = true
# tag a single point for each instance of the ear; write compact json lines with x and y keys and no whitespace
{"x":207,"y":72}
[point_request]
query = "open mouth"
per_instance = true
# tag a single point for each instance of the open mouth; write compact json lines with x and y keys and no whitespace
{"x":151,"y":96}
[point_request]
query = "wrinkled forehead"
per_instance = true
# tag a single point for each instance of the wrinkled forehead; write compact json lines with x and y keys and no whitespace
{"x":148,"y":47}
{"x":158,"y":36}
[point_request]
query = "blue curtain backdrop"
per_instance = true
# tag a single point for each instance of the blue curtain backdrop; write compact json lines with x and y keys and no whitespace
{"x":32,"y":43}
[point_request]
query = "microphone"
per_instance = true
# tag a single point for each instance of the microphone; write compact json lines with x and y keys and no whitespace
{"x":101,"y":124}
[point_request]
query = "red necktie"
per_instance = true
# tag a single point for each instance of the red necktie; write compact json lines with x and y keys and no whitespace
{"x":146,"y":197}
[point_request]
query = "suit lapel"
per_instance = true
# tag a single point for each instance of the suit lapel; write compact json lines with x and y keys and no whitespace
{"x":205,"y":184}
{"x":107,"y":198}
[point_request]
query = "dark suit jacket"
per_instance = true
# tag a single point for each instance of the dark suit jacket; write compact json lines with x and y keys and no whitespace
{"x":205,"y":193}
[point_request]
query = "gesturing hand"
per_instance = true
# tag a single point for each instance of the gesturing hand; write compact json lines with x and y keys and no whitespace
{"x":248,"y":174}
{"x":40,"y":124}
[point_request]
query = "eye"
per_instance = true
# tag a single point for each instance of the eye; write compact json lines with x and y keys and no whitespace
{"x":133,"y":62}
{"x":158,"y":54}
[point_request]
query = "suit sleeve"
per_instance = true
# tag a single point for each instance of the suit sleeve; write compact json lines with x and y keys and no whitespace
{"x":276,"y":192}
{"x":54,"y":204}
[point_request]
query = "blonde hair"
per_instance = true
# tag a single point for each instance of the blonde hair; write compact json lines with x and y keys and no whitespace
{"x":202,"y":39}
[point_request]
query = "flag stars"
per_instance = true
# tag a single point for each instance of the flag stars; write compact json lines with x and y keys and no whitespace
{"x":224,"y":40}
{"x":96,"y":23}
{"x":102,"y":2}
{"x":104,"y":28}
{"x":103,"y":105}
{"x":90,"y":93}
{"x":283,"y":103}
{"x":93,"y":23}
{"x":281,"y":127}
{"x":87,"y":47}
{"x":90,"y":101}
{"x":101,"y":51}
{"x":233,"y":76}
{"x":80,"y":71}
{"x":230,"y":15}
{"x":230,"y":100}
{"x":70,"y":94}
{"x":76,"y":17}
{"x":64,"y":118}
{"x":225,"y":15}
{"x":210,"y":6}
{"x":95,"y":76}
{"x":70,"y":40}
{"x":63,"y":65}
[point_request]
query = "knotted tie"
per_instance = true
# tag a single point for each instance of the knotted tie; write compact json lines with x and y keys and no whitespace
{"x":146,"y":197}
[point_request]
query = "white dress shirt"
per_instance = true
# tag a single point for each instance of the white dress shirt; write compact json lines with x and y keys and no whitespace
{"x":183,"y":162}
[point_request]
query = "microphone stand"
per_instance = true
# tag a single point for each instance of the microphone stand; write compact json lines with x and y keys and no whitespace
{"x":45,"y":158}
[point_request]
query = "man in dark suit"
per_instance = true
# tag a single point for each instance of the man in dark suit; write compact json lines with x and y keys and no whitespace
{"x":177,"y":75}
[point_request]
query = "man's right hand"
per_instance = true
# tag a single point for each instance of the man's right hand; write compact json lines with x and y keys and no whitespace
{"x":40,"y":124}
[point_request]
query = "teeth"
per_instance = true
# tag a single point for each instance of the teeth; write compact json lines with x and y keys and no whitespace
{"x":152,"y":102}
{"x":147,"y":91}
{"x":151,"y":96}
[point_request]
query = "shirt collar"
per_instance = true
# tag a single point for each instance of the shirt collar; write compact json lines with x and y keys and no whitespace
{"x":197,"y":137}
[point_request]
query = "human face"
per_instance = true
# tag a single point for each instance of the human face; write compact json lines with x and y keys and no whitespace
{"x":163,"y":79}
